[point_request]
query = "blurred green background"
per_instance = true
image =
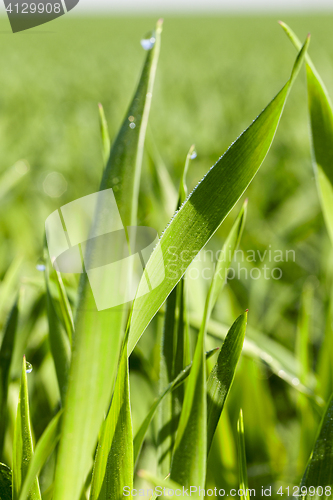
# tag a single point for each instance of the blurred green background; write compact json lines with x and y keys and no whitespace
{"x":215,"y":75}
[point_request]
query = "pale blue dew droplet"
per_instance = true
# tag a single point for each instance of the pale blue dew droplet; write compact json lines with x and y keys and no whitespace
{"x":28,"y":367}
{"x":132,"y":125}
{"x":148,"y":43}
{"x":40,"y":267}
{"x":194,"y":155}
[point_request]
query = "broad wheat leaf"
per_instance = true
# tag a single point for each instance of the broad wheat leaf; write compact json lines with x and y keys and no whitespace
{"x":98,"y":334}
{"x":222,"y":375}
{"x":23,"y":447}
{"x":319,"y":471}
{"x":321,"y":121}
{"x":207,"y":206}
{"x":5,"y":482}
{"x":6,"y":354}
{"x":44,"y":448}
{"x":113,"y":467}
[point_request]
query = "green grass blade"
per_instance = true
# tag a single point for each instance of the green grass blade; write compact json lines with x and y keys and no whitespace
{"x":321,"y":121}
{"x":106,"y":143}
{"x":124,"y":165}
{"x":225,"y":259}
{"x":319,"y":471}
{"x":222,"y":375}
{"x":174,"y":357}
{"x":23,"y":447}
{"x":259,"y":346}
{"x":66,"y":310}
{"x":113,"y":467}
{"x":325,"y":356}
{"x":44,"y":448}
{"x":167,"y":410}
{"x":6,"y":354}
{"x":8,"y":286}
{"x":141,"y":433}
{"x":98,"y":334}
{"x":207,"y":206}
{"x":183,"y":193}
{"x":163,"y":190}
{"x":188,"y":466}
{"x":305,"y":410}
{"x":5,"y":482}
{"x":59,"y":342}
{"x":243,"y":485}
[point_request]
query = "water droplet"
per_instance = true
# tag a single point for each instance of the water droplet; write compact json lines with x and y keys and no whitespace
{"x":148,"y":43}
{"x":131,"y":118}
{"x":132,"y":125}
{"x":194,"y":155}
{"x":40,"y":266}
{"x":295,"y":381}
{"x":115,"y":180}
{"x":28,"y":367}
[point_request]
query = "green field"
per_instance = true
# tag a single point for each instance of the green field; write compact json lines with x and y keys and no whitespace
{"x":215,"y":75}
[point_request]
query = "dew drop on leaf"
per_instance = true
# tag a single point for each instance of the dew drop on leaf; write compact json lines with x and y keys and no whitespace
{"x":148,"y":42}
{"x":28,"y":367}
